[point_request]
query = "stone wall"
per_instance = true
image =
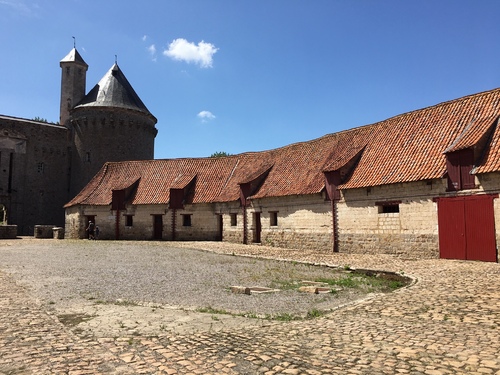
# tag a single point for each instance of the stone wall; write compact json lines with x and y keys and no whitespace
{"x":232,"y":221}
{"x":302,"y":222}
{"x":204,"y":222}
{"x":34,"y":185}
{"x":490,"y":183}
{"x":108,"y":134}
{"x":363,"y":227}
{"x":8,"y":231}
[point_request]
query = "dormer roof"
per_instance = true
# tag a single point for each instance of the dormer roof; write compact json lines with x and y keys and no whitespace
{"x":114,"y":90}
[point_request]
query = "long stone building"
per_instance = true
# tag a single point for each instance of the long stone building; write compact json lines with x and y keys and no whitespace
{"x":420,"y":184}
{"x":43,"y":166}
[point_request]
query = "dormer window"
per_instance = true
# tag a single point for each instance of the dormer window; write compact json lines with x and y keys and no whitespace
{"x":459,"y":165}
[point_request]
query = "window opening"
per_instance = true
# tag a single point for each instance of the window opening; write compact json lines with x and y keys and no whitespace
{"x":186,"y":220}
{"x":129,"y":220}
{"x":273,"y":217}
{"x":234,"y":220}
{"x":388,"y":207}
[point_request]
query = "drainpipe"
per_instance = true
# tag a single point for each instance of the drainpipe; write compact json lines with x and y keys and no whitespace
{"x":335,"y":229}
{"x":332,"y":180}
{"x":174,"y":214}
{"x":117,"y":225}
{"x":245,"y":223}
{"x":244,"y":193}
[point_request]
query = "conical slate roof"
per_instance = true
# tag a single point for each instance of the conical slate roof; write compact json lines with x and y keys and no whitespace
{"x":74,"y":56}
{"x":113,"y":90}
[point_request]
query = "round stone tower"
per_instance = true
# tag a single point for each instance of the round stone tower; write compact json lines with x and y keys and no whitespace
{"x":110,"y":123}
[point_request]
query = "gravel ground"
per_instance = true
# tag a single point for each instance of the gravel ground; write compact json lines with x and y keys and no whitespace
{"x":63,"y":272}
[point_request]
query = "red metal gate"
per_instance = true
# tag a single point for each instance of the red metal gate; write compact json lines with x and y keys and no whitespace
{"x":466,"y":228}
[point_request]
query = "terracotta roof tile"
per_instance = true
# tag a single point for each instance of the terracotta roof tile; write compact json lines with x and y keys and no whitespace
{"x":404,"y":148}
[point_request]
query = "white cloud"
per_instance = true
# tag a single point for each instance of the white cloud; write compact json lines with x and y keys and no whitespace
{"x":20,"y":7}
{"x":206,"y":116}
{"x":151,"y":48}
{"x":182,"y":50}
{"x":152,"y":51}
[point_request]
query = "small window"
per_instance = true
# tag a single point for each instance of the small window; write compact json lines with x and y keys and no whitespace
{"x":40,"y":167}
{"x":234,"y":220}
{"x":388,"y":209}
{"x":129,"y":220}
{"x":186,"y":220}
{"x":273,"y":218}
{"x":87,"y":157}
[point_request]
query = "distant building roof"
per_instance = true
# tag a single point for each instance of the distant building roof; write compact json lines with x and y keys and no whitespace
{"x":74,"y":56}
{"x":114,"y":90}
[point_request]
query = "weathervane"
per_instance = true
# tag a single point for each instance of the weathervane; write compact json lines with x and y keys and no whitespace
{"x":74,"y":42}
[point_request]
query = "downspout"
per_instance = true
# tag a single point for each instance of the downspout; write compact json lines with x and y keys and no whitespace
{"x":332,"y":180}
{"x":244,"y":193}
{"x":117,"y":225}
{"x":334,"y":226}
{"x":174,"y":214}
{"x":245,"y":223}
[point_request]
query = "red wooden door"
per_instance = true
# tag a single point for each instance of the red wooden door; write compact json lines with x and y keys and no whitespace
{"x":451,"y":228}
{"x":480,"y":228}
{"x":466,"y":227}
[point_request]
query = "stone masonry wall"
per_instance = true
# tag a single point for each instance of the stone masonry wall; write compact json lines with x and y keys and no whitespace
{"x":122,"y":135}
{"x":411,"y":232}
{"x":204,"y":223}
{"x":303,"y":222}
{"x":490,"y":183}
{"x":35,"y":189}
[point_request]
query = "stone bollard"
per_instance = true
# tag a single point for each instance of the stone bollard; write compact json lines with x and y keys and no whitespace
{"x":43,"y":231}
{"x":8,"y":231}
{"x":58,"y":233}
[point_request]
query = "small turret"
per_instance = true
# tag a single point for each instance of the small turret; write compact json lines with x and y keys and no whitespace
{"x":73,"y":78}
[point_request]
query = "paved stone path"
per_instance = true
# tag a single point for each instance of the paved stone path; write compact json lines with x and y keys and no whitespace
{"x":447,"y":322}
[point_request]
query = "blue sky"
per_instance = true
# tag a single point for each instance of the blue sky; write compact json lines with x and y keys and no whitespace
{"x":237,"y":76}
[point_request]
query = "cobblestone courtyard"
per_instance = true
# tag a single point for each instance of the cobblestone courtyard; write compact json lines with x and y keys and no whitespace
{"x":447,"y":322}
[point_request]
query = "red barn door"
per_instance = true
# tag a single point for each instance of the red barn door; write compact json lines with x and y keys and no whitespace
{"x":466,"y":227}
{"x":451,"y":228}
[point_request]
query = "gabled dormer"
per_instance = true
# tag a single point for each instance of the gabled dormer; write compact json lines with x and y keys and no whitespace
{"x":252,"y":183}
{"x":123,"y":194}
{"x":339,"y":169}
{"x":181,"y":191}
{"x":466,"y":152}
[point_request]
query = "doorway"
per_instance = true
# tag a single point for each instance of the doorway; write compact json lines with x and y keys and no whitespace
{"x":257,"y":227}
{"x":157,"y":227}
{"x":466,"y":228}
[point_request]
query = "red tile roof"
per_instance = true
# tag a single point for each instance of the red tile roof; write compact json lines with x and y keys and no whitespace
{"x":404,"y":148}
